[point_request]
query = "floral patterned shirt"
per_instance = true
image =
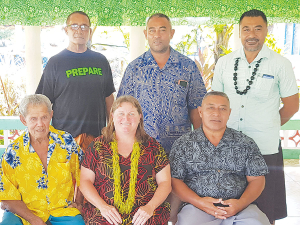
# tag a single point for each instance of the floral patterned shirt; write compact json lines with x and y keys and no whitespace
{"x":45,"y":193}
{"x":216,"y":171}
{"x":166,"y":95}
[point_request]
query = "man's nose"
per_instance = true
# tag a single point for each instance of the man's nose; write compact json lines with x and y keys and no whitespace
{"x":251,"y":33}
{"x":216,"y":112}
{"x":157,"y":34}
{"x":79,"y":31}
{"x":40,"y":122}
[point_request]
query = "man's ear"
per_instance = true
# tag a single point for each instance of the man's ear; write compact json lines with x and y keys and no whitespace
{"x":145,"y":33}
{"x":66,"y":30}
{"x":172,"y":33}
{"x":22,"y":118}
{"x":200,"y":111}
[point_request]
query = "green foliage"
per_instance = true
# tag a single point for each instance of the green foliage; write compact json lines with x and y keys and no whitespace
{"x":271,"y":43}
{"x":1,"y":134}
{"x":223,"y":33}
{"x":217,"y":46}
{"x":188,"y":43}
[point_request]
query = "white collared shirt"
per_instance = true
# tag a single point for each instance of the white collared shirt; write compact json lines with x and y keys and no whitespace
{"x":256,"y":114}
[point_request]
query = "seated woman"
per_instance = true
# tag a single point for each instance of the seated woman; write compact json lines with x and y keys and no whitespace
{"x":125,"y":174}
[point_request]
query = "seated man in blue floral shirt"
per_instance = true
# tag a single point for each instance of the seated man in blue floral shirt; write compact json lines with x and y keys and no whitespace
{"x":217,"y":172}
{"x":38,"y":171}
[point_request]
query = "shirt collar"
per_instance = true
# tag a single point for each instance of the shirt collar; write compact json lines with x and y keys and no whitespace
{"x":263,"y":53}
{"x":201,"y":136}
{"x":173,"y":59}
{"x":52,"y":136}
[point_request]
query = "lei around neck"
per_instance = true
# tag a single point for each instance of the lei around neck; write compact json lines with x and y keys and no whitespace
{"x":125,"y":206}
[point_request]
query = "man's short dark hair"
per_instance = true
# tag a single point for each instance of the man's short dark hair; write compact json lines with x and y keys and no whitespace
{"x":160,"y":15}
{"x":215,"y":93}
{"x":254,"y":13}
{"x":78,"y":12}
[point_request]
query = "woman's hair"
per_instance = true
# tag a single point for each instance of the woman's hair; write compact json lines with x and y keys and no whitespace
{"x":35,"y":100}
{"x":140,"y":135}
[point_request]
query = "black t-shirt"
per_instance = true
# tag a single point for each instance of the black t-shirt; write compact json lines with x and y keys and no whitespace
{"x":77,"y":85}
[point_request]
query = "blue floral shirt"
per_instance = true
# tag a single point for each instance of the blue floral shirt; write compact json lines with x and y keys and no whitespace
{"x":45,"y":193}
{"x":166,"y":95}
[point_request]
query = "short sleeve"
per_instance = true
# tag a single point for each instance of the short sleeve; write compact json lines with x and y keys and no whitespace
{"x":197,"y":89}
{"x":178,"y":160}
{"x":109,"y":87}
{"x":76,"y":161}
{"x":255,"y":164}
{"x":126,"y":86}
{"x":217,"y":83}
{"x":8,"y":183}
{"x":161,"y":159}
{"x":46,"y":85}
{"x":287,"y":80}
{"x":89,"y":160}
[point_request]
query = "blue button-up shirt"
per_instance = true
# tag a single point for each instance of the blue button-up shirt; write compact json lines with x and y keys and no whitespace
{"x":216,"y":171}
{"x":166,"y":95}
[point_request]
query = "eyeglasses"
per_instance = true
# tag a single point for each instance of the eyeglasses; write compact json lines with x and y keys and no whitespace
{"x":76,"y":27}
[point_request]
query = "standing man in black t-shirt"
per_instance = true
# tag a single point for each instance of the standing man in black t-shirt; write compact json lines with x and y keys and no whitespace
{"x":79,"y":83}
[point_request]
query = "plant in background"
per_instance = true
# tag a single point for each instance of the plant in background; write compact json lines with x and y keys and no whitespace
{"x":223,"y":33}
{"x":271,"y":43}
{"x":188,"y":44}
{"x":205,"y":68}
{"x":10,"y":96}
{"x":217,"y":47}
{"x":126,"y":37}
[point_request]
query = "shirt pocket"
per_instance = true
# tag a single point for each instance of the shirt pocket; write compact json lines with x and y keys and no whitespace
{"x":180,"y":95}
{"x":63,"y":172}
{"x":262,"y":87}
{"x":179,"y":110}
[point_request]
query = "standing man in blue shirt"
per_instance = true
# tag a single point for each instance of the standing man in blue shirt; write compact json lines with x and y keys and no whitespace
{"x":167,"y":84}
{"x":255,"y":79}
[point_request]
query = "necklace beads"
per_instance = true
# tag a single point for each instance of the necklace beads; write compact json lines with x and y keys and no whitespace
{"x":250,"y":82}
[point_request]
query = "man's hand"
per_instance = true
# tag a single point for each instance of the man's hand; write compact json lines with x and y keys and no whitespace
{"x":111,"y":214}
{"x":36,"y":221}
{"x":235,"y":206}
{"x":142,"y":215}
{"x":207,"y":205}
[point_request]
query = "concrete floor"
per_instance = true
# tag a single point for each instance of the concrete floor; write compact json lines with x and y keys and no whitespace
{"x":292,"y":181}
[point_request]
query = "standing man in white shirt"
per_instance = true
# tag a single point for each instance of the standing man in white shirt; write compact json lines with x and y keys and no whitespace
{"x":255,"y":79}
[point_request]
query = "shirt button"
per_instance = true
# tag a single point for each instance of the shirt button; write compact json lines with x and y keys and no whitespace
{"x":249,"y":66}
{"x":242,"y":106}
{"x":241,"y":119}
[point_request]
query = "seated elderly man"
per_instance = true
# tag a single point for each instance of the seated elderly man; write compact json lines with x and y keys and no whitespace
{"x":38,"y":170}
{"x":217,"y":171}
